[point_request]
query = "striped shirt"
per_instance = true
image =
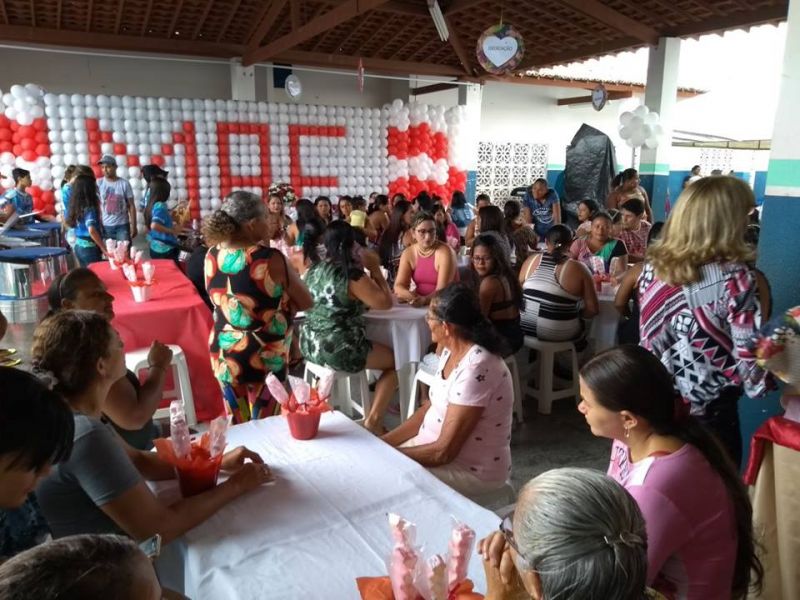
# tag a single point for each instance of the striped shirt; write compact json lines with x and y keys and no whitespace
{"x":550,"y":313}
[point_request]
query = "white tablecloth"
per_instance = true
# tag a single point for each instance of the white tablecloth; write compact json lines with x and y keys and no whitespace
{"x":403,"y":328}
{"x":603,"y":334}
{"x":321,"y":524}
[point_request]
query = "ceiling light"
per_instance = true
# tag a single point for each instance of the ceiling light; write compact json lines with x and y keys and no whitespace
{"x":438,"y":19}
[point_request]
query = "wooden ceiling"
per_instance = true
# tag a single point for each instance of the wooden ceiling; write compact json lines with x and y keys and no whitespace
{"x":395,"y":36}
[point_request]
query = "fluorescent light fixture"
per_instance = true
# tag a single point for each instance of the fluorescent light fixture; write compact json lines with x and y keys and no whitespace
{"x":438,"y":19}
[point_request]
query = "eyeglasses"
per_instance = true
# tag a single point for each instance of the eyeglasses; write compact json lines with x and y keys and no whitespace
{"x":507,"y":529}
{"x":482,"y":260}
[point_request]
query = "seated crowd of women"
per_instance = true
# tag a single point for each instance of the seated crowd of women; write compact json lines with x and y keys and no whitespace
{"x":73,"y":439}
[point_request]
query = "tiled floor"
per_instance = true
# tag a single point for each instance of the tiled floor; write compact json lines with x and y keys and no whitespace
{"x":543,"y":442}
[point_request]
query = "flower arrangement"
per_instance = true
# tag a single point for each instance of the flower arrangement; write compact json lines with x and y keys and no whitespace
{"x":284,"y":191}
{"x":777,"y":346}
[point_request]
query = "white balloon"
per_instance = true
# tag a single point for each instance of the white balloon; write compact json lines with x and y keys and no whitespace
{"x":625,"y":118}
{"x":651,"y":142}
{"x":641,"y":111}
{"x":10,"y":113}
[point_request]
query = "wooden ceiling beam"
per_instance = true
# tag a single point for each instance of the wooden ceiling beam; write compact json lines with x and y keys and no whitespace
{"x":574,"y":54}
{"x":89,"y":16}
{"x":588,"y":99}
{"x":228,"y":20}
{"x":455,"y":42}
{"x":433,"y":88}
{"x":320,"y":59}
{"x":353,"y":31}
{"x":146,"y":17}
{"x":409,"y":41}
{"x":3,"y":12}
{"x":117,"y":22}
{"x":614,"y":19}
{"x":341,"y":13}
{"x":202,"y":20}
{"x":110,"y":41}
{"x":294,"y":14}
{"x":461,"y":5}
{"x":375,"y":34}
{"x":174,"y":20}
{"x":263,"y":25}
{"x":33,"y":13}
{"x":575,"y":84}
{"x":404,"y":8}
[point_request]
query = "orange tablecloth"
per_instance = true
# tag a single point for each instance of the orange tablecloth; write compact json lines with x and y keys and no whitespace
{"x":175,"y":314}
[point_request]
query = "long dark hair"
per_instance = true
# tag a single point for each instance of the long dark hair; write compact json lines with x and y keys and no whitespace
{"x":380,"y":201}
{"x":631,"y":378}
{"x":311,"y":226}
{"x":84,"y":197}
{"x":492,"y":219}
{"x":502,"y":266}
{"x":458,"y":306}
{"x":511,"y":212}
{"x":441,"y":230}
{"x":560,"y":237}
{"x":37,"y":426}
{"x":159,"y":192}
{"x":458,"y":200}
{"x":397,"y":226}
{"x":424,"y":201}
{"x":340,"y":241}
{"x":592,"y":206}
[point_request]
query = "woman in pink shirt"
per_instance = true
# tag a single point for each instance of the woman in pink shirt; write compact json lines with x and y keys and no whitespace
{"x":463,"y":432}
{"x":698,"y":515}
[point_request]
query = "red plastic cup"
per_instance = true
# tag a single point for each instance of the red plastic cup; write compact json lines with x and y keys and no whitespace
{"x":199,"y":479}
{"x":303,"y":426}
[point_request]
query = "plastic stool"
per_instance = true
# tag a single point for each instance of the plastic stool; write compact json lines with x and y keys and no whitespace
{"x":511,"y":363}
{"x":341,"y":391}
{"x":137,"y":360}
{"x":545,"y":394}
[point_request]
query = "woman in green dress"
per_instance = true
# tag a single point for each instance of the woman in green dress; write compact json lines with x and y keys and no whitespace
{"x":255,"y":294}
{"x":334,"y":333}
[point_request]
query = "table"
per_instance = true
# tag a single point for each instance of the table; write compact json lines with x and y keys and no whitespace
{"x":603,"y":334}
{"x":404,"y":329}
{"x":321,"y":524}
{"x":175,"y":315}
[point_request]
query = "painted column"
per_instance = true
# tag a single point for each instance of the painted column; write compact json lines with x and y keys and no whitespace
{"x":781,"y":209}
{"x":470,"y":96}
{"x":243,"y":82}
{"x":661,"y":95}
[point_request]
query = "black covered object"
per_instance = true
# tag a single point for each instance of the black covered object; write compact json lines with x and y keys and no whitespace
{"x":591,"y":165}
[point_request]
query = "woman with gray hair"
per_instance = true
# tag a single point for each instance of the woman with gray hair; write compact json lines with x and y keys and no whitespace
{"x":574,"y":533}
{"x":255,"y":294}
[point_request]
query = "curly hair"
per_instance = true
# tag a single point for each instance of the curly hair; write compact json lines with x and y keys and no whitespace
{"x":69,"y":343}
{"x":225,"y":224}
{"x":707,"y":225}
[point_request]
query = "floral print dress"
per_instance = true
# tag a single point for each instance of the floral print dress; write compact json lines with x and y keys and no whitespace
{"x":252,"y":327}
{"x":334,"y":332}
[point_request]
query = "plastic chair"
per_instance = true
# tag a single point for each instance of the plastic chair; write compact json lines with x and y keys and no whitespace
{"x":408,"y":408}
{"x":341,"y":391}
{"x":511,"y":363}
{"x":544,"y":393}
{"x":137,"y":360}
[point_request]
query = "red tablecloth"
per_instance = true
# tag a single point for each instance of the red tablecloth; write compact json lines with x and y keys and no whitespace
{"x":175,"y":314}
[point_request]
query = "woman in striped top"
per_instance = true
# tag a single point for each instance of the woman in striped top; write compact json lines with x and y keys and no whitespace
{"x":557,"y":291}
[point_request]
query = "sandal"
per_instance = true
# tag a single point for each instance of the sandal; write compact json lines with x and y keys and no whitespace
{"x":13,"y":362}
{"x":6,"y":352}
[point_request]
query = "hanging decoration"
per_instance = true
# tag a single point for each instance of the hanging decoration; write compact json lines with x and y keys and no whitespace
{"x":599,"y":97}
{"x":641,"y":127}
{"x":500,"y":49}
{"x":293,"y":87}
{"x":360,"y":76}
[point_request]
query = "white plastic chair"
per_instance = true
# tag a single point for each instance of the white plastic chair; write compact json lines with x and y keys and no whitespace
{"x":544,"y":393}
{"x":137,"y":360}
{"x":341,"y":391}
{"x":409,"y":405}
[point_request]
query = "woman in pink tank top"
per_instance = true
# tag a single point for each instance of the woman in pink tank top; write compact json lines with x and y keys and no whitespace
{"x":428,"y":263}
{"x":698,"y":515}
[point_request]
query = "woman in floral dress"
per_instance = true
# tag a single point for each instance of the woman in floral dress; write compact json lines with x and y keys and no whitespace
{"x":255,"y":293}
{"x":334,"y":333}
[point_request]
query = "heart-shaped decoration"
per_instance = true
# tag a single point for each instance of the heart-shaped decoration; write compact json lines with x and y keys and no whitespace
{"x":500,"y":51}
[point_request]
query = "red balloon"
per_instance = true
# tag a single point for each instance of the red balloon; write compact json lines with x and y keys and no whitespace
{"x":17,"y":151}
{"x":42,"y":150}
{"x":133,"y":161}
{"x":120,"y":149}
{"x":27,"y":131}
{"x":40,"y":124}
{"x":92,"y":125}
{"x":6,"y":147}
{"x":188,"y":126}
{"x":48,"y":196}
{"x":6,"y":135}
{"x":222,"y":128}
{"x":14,"y":126}
{"x":41,"y":137}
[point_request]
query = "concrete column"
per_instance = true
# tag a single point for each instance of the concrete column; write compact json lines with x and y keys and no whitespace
{"x":660,"y":96}
{"x":243,"y":82}
{"x":470,"y":96}
{"x":781,"y":209}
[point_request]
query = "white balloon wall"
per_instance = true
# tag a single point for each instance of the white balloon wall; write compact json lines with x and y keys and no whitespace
{"x":210,"y":147}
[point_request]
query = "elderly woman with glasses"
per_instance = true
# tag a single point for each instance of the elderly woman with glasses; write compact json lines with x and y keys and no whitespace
{"x":574,"y":533}
{"x":462,"y":433}
{"x":429,"y":263}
